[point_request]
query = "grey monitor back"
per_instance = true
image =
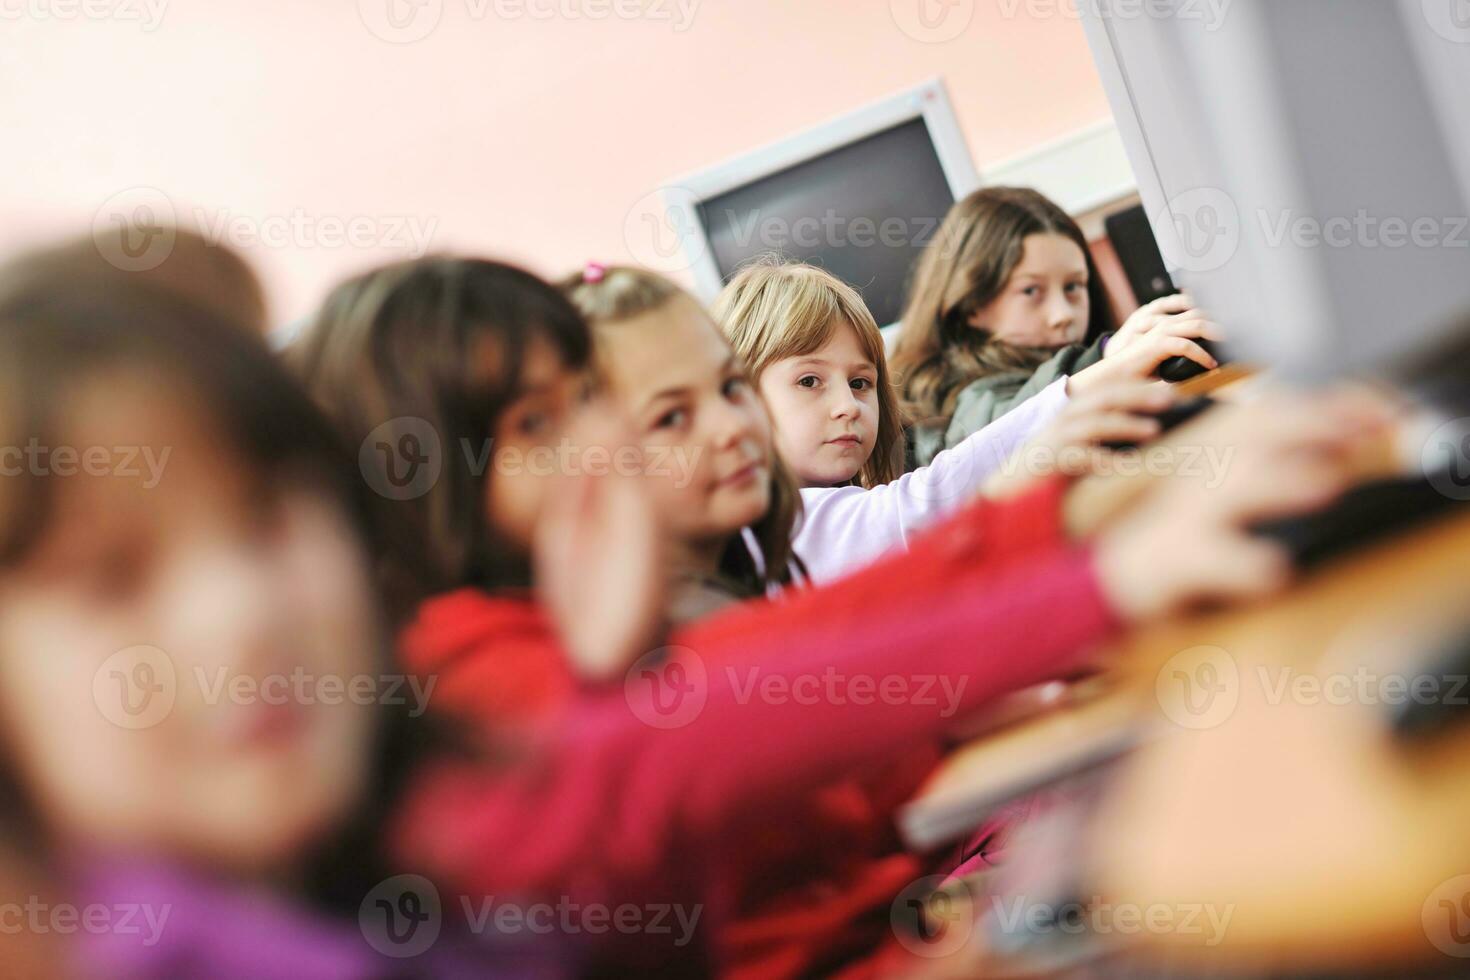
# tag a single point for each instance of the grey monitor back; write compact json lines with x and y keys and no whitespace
{"x":1305,"y":164}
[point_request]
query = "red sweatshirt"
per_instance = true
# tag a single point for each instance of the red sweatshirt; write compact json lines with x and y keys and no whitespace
{"x":797,"y":694}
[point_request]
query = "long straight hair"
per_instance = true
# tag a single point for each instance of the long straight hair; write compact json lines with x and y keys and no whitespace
{"x":978,"y":246}
{"x":773,"y":310}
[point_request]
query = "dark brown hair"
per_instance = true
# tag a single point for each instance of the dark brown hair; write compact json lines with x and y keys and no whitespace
{"x":68,"y":318}
{"x":211,"y":277}
{"x":433,"y":349}
{"x":967,"y":265}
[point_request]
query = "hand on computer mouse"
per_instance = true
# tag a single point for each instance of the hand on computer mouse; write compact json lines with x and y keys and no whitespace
{"x":1189,"y":538}
{"x":1175,"y":309}
{"x":1174,"y":316}
{"x":1150,"y":344}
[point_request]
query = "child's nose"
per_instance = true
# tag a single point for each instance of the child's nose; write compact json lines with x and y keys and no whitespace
{"x":845,"y":405}
{"x":1061,"y":314}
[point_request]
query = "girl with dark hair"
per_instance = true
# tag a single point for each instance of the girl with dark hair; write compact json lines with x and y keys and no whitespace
{"x":185,"y":605}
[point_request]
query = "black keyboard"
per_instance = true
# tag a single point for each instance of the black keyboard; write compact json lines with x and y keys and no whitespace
{"x":1361,"y":516}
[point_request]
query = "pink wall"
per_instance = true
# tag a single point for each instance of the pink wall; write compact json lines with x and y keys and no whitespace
{"x":519,"y":137}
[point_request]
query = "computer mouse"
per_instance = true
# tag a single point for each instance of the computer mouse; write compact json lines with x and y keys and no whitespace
{"x":1177,"y":369}
{"x":1444,"y":701}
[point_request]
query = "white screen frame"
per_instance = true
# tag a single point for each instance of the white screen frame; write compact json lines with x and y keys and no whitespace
{"x":1130,"y":128}
{"x":928,"y":101}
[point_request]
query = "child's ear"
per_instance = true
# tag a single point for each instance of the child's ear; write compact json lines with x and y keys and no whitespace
{"x":976,"y":320}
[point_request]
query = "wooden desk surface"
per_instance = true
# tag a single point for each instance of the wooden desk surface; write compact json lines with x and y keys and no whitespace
{"x":1288,"y":800}
{"x":1218,"y":383}
{"x":1276,"y":792}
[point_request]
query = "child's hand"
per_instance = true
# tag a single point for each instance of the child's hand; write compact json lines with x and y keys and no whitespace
{"x":1170,"y":312}
{"x":1152,"y":335}
{"x":1187,"y":541}
{"x":1075,"y":442}
{"x":599,"y":553}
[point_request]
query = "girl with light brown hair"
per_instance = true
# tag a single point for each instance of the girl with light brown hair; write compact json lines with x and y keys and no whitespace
{"x":1007,"y":304}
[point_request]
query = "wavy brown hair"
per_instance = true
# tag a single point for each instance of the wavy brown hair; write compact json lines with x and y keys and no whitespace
{"x":773,"y":310}
{"x":623,"y":292}
{"x":967,"y":265}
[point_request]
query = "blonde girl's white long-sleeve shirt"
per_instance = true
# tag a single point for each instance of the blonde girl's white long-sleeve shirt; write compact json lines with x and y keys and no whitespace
{"x":843,"y":529}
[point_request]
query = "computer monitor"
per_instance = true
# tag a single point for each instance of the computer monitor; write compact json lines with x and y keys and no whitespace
{"x":1305,"y":166}
{"x":1138,"y":252}
{"x":860,"y":196}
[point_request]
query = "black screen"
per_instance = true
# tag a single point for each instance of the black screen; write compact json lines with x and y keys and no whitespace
{"x":863,"y":212}
{"x":1138,"y":251}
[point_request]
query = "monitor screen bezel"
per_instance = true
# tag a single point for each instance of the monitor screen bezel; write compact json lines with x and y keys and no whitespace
{"x":929,"y":102}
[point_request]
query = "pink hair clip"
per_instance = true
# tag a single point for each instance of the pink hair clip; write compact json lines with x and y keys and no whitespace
{"x":594,"y":273}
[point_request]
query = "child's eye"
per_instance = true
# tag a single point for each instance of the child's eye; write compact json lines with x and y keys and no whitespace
{"x":808,"y":381}
{"x":672,"y":419}
{"x":734,"y":387}
{"x":1075,"y":286}
{"x":1031,"y":291}
{"x":533,"y":423}
{"x":860,"y":384}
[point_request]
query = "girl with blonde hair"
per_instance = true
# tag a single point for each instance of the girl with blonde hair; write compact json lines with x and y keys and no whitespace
{"x":816,"y":356}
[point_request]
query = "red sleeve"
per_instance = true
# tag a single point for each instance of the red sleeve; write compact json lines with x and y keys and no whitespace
{"x":977,"y":541}
{"x":761,"y":704}
{"x":494,"y":659}
{"x":1031,"y":520}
